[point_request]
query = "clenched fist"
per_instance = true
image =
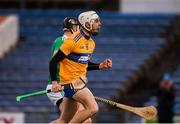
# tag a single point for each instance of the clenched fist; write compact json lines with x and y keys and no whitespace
{"x":55,"y":86}
{"x":107,"y":63}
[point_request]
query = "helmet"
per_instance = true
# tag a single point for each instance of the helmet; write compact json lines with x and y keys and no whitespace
{"x":68,"y":22}
{"x":86,"y":19}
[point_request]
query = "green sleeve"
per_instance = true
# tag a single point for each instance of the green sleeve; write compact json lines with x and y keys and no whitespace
{"x":57,"y":44}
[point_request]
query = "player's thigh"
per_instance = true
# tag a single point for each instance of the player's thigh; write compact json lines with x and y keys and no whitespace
{"x":80,"y":107}
{"x":69,"y":108}
{"x":86,"y":98}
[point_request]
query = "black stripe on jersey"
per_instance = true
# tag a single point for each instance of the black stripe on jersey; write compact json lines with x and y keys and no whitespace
{"x":92,"y":66}
{"x":77,"y":37}
{"x":59,"y":56}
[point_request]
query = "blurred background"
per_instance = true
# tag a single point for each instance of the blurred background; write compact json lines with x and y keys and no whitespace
{"x":142,"y":37}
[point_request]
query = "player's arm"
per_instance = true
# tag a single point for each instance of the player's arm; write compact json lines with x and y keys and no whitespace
{"x":59,"y":56}
{"x":107,"y":63}
{"x":93,"y":66}
{"x":62,"y":53}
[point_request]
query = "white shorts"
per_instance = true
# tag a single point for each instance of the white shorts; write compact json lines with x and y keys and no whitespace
{"x":54,"y":97}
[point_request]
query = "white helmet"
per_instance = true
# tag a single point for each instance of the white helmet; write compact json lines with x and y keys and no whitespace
{"x":86,"y":19}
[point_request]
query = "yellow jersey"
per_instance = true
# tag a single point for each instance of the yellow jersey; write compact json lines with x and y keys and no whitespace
{"x":78,"y":48}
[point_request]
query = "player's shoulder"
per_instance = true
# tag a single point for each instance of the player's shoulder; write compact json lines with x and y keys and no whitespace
{"x":74,"y":37}
{"x":58,"y":39}
{"x":77,"y":36}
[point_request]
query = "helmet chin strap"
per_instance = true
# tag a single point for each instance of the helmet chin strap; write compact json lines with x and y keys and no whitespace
{"x":72,"y":30}
{"x":69,"y":30}
{"x":91,"y":29}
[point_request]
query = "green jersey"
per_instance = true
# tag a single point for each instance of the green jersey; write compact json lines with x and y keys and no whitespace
{"x":55,"y":46}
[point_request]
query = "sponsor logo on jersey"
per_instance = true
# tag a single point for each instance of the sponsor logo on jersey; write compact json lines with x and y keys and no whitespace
{"x":84,"y":59}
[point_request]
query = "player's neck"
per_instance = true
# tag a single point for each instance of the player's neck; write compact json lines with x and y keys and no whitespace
{"x":67,"y":33}
{"x":86,"y":32}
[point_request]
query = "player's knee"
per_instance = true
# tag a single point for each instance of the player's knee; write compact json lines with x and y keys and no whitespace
{"x":94,"y":110}
{"x":89,"y":120}
{"x":57,"y":121}
{"x":60,"y":120}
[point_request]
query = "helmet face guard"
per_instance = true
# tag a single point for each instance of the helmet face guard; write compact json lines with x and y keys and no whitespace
{"x":86,"y":19}
{"x":68,"y":23}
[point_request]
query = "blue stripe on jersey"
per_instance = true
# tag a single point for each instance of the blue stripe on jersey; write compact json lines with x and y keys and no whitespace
{"x":77,"y":37}
{"x":79,"y":57}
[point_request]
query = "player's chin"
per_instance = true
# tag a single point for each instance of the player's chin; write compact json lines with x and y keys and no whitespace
{"x":95,"y":33}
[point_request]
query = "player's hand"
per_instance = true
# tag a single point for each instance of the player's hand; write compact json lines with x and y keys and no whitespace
{"x":106,"y":64}
{"x":56,"y":87}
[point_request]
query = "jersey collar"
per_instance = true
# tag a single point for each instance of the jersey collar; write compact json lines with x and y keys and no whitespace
{"x":85,"y":36}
